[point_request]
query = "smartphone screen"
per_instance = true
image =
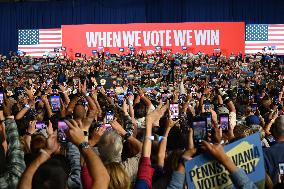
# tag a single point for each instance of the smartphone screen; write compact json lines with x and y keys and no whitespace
{"x":254,"y":107}
{"x":181,"y":98}
{"x":40,"y":125}
{"x":55,"y":103}
{"x":164,"y":97}
{"x":224,"y":121}
{"x":62,"y":128}
{"x":1,"y":99}
{"x":120,"y":99}
{"x":109,"y":118}
{"x":130,"y":90}
{"x":207,"y":106}
{"x":174,"y":111}
{"x":270,"y":138}
{"x":199,"y":131}
{"x":281,"y":172}
{"x":38,"y":99}
{"x":281,"y":168}
{"x":208,"y":117}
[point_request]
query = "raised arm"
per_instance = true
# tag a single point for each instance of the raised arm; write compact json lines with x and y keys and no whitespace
{"x":15,"y":164}
{"x":95,"y":166}
{"x":47,"y":105}
{"x":163,"y":143}
{"x":145,"y":170}
{"x":72,"y":105}
{"x":135,"y":144}
{"x":144,"y":98}
{"x":65,"y":94}
{"x":27,"y":177}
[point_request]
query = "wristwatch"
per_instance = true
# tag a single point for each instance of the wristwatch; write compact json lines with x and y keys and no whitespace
{"x":84,"y":145}
{"x":28,"y":133}
{"x":126,"y":136}
{"x":86,"y":133}
{"x":27,"y":106}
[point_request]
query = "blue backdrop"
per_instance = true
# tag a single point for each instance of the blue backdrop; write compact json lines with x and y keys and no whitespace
{"x":14,"y":16}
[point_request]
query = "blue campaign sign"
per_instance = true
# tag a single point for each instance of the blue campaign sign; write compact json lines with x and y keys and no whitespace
{"x":204,"y":171}
{"x":149,"y":66}
{"x":165,"y":72}
{"x":204,"y":68}
{"x":190,"y":74}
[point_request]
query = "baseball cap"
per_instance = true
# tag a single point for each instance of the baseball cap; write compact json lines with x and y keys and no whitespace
{"x":252,"y":120}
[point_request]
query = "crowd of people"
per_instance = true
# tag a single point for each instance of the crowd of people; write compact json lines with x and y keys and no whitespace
{"x":133,"y":120}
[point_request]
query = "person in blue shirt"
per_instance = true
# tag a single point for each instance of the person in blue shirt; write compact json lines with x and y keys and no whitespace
{"x":275,"y":154}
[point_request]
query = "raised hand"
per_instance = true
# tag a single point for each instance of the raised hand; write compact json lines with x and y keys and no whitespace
{"x":156,"y":115}
{"x":52,"y":144}
{"x":49,"y":128}
{"x":32,"y":127}
{"x":116,"y":126}
{"x":7,"y":109}
{"x":191,"y":150}
{"x":170,"y":123}
{"x":217,"y":150}
{"x":74,"y":133}
{"x":96,"y":135}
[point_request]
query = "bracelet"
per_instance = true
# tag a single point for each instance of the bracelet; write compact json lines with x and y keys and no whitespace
{"x":150,"y":138}
{"x":44,"y":152}
{"x":27,"y":106}
{"x":126,"y":136}
{"x":28,"y":133}
{"x":10,"y":117}
{"x":162,"y":138}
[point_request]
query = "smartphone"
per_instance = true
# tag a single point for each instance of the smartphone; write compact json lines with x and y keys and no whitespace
{"x":130,"y":90}
{"x":224,"y":121}
{"x":270,"y":138}
{"x":174,"y":111}
{"x":199,"y":130}
{"x":62,"y":128}
{"x":40,"y":125}
{"x":281,"y":171}
{"x":208,"y":117}
{"x":181,"y":98}
{"x":120,"y":99}
{"x":254,"y":107}
{"x":207,"y":105}
{"x":109,"y":118}
{"x":1,"y":100}
{"x":99,"y":87}
{"x":55,"y":103}
{"x":164,"y":97}
{"x":38,"y":99}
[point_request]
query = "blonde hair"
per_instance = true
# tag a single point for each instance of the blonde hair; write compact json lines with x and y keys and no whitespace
{"x":119,"y":179}
{"x":242,"y":131}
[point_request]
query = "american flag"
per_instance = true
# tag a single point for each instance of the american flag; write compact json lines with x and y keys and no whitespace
{"x":264,"y":36}
{"x":36,"y":42}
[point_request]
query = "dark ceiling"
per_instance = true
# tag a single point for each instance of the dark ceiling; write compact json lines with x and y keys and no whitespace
{"x":13,"y":1}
